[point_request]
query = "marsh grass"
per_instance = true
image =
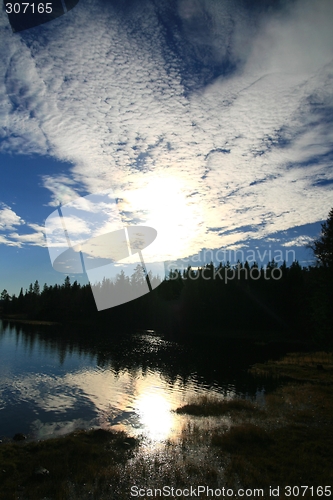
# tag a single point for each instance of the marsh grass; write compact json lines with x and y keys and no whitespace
{"x":291,"y":444}
{"x":243,"y":437}
{"x":210,"y":406}
{"x":289,"y":440}
{"x":82,"y":459}
{"x":293,"y":454}
{"x":315,"y":367}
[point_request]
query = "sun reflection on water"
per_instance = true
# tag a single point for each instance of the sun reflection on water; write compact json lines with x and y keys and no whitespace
{"x":155,"y":415}
{"x":83,"y":394}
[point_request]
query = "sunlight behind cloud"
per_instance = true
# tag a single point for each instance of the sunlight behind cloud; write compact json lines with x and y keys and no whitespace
{"x":166,"y":205}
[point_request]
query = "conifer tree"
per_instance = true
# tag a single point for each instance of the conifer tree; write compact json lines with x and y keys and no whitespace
{"x":323,"y":246}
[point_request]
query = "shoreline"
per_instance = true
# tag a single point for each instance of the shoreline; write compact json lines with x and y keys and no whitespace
{"x":255,"y":337}
{"x":19,"y":319}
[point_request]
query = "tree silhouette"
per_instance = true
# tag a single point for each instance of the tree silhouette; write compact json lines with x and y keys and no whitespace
{"x":217,"y":298}
{"x":321,"y":296}
{"x":323,"y":246}
{"x":4,"y":295}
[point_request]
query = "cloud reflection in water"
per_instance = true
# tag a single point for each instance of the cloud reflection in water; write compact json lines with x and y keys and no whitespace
{"x":43,"y":395}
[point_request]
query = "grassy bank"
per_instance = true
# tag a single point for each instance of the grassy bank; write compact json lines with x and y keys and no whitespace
{"x":63,"y":468}
{"x":286,"y":441}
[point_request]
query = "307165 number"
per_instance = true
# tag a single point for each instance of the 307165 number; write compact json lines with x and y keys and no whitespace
{"x":318,"y":491}
{"x":40,"y":8}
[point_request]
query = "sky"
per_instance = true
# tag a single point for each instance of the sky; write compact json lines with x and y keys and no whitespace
{"x":210,"y":121}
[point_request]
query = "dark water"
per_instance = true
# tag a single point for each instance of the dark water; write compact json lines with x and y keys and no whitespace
{"x":53,"y":381}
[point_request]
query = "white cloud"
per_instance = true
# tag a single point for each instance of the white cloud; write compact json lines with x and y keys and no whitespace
{"x":298,"y":40}
{"x":9,"y":221}
{"x":8,"y":218}
{"x":61,"y":188}
{"x":112,"y":101}
{"x":300,"y":241}
{"x":5,"y":241}
{"x":34,"y":239}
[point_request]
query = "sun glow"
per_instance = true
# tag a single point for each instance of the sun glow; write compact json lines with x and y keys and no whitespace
{"x":167,"y":205}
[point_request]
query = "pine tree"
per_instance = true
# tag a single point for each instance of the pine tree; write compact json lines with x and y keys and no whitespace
{"x":67,"y":283}
{"x":4,"y":295}
{"x":323,"y":246}
{"x":36,"y":288}
{"x":322,"y":285}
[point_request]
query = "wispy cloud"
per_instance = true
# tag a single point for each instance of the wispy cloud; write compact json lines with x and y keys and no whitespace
{"x":8,"y":218}
{"x":9,"y":223}
{"x":35,"y":239}
{"x":232,"y":105}
{"x":10,"y":243}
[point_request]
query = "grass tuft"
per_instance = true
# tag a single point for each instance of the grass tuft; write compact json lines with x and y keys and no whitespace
{"x":243,"y":437}
{"x":207,"y":406}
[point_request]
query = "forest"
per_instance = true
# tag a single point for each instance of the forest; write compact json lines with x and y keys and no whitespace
{"x":214,"y":298}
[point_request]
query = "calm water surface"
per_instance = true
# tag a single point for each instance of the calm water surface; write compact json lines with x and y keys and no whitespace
{"x":52,"y":382}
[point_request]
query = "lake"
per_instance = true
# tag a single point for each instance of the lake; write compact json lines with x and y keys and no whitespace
{"x":54,"y":380}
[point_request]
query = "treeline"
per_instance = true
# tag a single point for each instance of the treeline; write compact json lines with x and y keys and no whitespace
{"x":293,"y":299}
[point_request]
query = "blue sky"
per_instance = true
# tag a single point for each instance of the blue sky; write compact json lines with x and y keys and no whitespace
{"x":211,"y":119}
